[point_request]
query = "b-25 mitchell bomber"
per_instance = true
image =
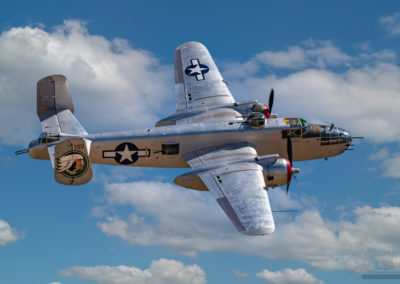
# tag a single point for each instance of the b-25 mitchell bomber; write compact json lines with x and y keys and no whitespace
{"x":237,"y":150}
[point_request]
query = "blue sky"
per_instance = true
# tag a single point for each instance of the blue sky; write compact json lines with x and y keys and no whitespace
{"x":327,"y":62}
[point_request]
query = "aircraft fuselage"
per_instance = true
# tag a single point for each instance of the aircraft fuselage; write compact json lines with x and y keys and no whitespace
{"x":164,"y":146}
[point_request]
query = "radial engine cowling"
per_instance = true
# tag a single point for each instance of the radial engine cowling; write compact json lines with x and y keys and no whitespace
{"x":277,"y":173}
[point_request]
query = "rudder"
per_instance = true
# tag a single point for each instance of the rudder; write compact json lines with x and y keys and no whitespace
{"x":71,"y":162}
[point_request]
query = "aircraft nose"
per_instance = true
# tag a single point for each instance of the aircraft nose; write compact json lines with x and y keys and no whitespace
{"x":345,"y":135}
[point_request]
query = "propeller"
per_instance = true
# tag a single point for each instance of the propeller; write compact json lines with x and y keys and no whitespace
{"x":271,"y":100}
{"x":290,"y":156}
{"x":20,"y":152}
{"x":291,"y":170}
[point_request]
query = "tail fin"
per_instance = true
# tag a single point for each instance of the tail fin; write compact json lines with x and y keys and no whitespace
{"x":55,"y":108}
{"x":72,"y":164}
{"x":64,"y":135}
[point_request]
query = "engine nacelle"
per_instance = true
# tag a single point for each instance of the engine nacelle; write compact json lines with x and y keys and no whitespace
{"x":277,"y":173}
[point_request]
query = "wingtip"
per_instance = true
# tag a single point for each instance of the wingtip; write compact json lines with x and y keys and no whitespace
{"x":190,"y":44}
{"x":55,"y":77}
{"x":260,"y":231}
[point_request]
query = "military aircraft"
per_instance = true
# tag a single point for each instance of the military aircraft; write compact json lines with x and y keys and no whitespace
{"x":237,"y":150}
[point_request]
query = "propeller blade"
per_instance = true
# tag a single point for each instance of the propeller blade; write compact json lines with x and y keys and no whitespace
{"x":271,"y":100}
{"x":289,"y":149}
{"x":290,"y":158}
{"x":20,"y":152}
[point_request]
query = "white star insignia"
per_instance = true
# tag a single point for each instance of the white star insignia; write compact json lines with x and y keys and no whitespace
{"x":126,"y":154}
{"x":196,"y":69}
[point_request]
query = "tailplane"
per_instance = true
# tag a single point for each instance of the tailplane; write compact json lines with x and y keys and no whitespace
{"x":63,"y":140}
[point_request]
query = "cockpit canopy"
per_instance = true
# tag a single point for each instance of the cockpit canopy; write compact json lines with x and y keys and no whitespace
{"x":327,"y":134}
{"x":256,"y":120}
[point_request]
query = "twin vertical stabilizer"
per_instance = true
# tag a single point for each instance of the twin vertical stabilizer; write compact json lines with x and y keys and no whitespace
{"x":62,"y":132}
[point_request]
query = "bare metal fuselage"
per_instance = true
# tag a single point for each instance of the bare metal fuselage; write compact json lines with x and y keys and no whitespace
{"x":193,"y":137}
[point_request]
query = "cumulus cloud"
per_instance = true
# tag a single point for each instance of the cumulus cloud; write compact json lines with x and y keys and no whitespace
{"x":391,"y":24}
{"x":363,"y":100}
{"x":123,"y":83}
{"x":240,"y":274}
{"x":308,"y":54}
{"x":7,"y":234}
{"x":311,"y":53}
{"x":107,"y":77}
{"x":161,"y":271}
{"x":359,"y":92}
{"x":390,"y":162}
{"x":289,"y":276}
{"x":190,"y":222}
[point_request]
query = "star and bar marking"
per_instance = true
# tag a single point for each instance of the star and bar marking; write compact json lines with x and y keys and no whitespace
{"x":197,"y":69}
{"x":126,"y":153}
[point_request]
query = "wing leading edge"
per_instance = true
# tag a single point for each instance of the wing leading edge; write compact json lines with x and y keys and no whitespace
{"x":237,"y":183}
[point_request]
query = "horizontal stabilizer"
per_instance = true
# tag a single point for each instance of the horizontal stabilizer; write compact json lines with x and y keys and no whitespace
{"x":71,"y":161}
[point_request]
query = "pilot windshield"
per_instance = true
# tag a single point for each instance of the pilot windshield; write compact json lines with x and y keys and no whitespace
{"x":310,"y":130}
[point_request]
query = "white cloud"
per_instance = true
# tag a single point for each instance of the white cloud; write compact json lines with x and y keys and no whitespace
{"x":106,"y":77}
{"x":240,"y":274}
{"x":363,"y":100}
{"x":293,"y":58}
{"x":123,"y":83}
{"x":311,"y":53}
{"x":55,"y":283}
{"x":391,"y":166}
{"x":289,"y":276}
{"x":7,"y":234}
{"x":390,"y":162}
{"x":391,"y":24}
{"x":160,"y":271}
{"x":358,"y":92}
{"x":190,"y":222}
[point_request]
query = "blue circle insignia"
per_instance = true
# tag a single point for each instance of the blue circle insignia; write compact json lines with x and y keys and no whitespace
{"x":197,"y":69}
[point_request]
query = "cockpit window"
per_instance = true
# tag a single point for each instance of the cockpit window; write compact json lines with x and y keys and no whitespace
{"x":311,"y":131}
{"x":303,"y":122}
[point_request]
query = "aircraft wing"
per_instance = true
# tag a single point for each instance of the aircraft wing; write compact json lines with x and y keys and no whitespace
{"x":198,"y":82}
{"x":237,"y":183}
